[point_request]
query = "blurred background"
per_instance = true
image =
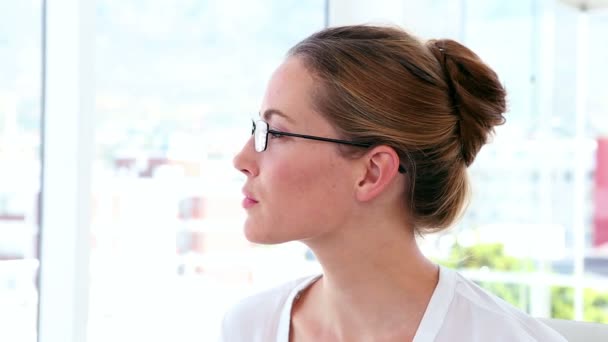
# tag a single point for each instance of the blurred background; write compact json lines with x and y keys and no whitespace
{"x":173,"y":85}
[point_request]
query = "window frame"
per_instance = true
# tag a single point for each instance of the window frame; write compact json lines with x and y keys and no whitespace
{"x":66,"y":153}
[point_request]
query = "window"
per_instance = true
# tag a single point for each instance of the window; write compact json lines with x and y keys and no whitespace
{"x":176,"y":84}
{"x":20,"y":94}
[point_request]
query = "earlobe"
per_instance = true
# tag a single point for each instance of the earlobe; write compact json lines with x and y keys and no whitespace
{"x":381,"y":168}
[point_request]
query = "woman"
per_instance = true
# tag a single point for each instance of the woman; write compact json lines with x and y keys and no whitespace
{"x":363,"y":142}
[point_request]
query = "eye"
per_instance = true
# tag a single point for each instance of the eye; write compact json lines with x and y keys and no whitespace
{"x":275,"y":133}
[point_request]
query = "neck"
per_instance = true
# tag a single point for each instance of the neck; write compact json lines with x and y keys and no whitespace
{"x":375,"y":278}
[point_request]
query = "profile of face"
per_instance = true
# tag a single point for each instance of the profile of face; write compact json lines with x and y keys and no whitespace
{"x":297,"y":189}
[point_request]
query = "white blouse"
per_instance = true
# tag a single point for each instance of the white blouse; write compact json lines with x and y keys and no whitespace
{"x":459,"y":310}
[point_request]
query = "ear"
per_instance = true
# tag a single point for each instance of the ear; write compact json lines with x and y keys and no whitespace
{"x":380,"y":168}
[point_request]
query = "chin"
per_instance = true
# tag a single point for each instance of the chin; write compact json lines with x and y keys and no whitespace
{"x":261,"y":236}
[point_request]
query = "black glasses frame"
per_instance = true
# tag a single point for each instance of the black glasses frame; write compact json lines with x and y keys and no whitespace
{"x":304,"y":136}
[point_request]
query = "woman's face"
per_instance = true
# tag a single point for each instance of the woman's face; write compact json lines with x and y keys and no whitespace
{"x":297,"y":189}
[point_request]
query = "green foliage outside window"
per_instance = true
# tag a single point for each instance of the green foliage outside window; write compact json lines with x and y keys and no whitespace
{"x":595,"y":304}
{"x":493,"y":256}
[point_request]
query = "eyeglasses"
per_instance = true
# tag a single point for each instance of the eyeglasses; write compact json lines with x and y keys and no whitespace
{"x":260,"y":131}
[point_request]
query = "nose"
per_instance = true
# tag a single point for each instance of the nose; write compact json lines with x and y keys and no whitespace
{"x":245,"y":161}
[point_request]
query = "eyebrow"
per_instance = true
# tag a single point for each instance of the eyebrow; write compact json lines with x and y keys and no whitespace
{"x":268,"y":113}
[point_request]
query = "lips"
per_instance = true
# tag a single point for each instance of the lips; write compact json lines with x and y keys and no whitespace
{"x":249,"y":201}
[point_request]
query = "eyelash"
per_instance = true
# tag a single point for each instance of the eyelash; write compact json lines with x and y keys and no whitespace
{"x":275,"y":135}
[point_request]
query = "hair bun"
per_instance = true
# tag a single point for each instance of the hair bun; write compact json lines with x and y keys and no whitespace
{"x":477,"y":95}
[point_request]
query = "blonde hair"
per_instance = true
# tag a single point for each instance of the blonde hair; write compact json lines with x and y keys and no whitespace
{"x":434,"y":103}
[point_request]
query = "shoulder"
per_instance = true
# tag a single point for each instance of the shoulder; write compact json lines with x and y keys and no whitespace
{"x":257,"y":317}
{"x":480,"y":315}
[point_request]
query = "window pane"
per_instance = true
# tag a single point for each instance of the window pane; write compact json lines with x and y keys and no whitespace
{"x":176,"y":85}
{"x":20,"y":89}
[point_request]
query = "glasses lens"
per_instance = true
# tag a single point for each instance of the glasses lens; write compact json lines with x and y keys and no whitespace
{"x":260,"y":132}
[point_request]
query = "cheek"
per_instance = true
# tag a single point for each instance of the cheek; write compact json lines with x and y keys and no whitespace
{"x":303,"y":196}
{"x":296,"y":180}
{"x":303,"y":179}
{"x":309,"y":191}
